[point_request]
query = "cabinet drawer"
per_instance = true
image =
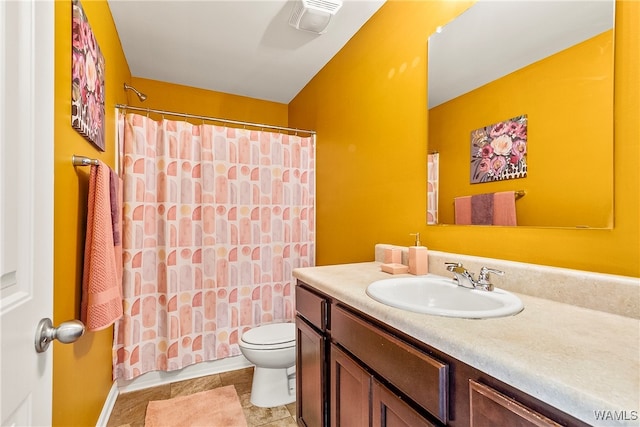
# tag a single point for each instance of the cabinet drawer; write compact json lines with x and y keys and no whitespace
{"x":489,"y":407}
{"x":312,"y":307}
{"x":422,"y":378}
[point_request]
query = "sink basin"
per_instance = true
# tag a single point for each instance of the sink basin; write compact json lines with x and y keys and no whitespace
{"x":438,"y":295}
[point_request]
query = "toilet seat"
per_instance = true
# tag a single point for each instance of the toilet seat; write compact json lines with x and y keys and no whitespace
{"x":268,"y":337}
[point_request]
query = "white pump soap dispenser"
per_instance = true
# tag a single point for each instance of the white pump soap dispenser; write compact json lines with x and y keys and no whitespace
{"x":418,"y":257}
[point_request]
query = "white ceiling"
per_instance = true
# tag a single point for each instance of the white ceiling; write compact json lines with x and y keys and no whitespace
{"x":484,"y":52}
{"x":239,"y":47}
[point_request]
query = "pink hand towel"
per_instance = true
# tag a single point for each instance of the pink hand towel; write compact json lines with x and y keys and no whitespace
{"x":504,"y":208}
{"x":101,"y":303}
{"x":463,"y":210}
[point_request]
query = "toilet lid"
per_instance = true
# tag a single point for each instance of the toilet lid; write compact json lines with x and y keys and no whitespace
{"x":275,"y":333}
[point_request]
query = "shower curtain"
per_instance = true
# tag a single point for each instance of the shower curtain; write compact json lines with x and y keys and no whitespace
{"x":433,"y":176}
{"x":215,"y":220}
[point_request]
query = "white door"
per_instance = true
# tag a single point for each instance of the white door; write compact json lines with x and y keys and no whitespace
{"x":26,"y":208}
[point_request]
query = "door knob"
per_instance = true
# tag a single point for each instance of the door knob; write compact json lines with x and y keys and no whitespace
{"x":66,"y":333}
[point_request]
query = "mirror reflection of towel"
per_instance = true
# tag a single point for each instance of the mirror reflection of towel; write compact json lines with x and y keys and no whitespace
{"x":486,"y":209}
{"x":504,"y":208}
{"x":482,"y":209}
{"x":463,"y":210}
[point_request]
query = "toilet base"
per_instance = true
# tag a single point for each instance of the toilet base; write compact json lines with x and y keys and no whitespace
{"x":273,"y":387}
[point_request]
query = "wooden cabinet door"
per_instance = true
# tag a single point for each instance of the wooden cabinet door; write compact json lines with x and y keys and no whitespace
{"x":389,"y":410}
{"x":490,"y":408}
{"x":349,"y":390}
{"x":310,"y":376}
{"x":421,"y":377}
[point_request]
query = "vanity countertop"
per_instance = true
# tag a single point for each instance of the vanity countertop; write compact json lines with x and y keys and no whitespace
{"x":576,"y":359}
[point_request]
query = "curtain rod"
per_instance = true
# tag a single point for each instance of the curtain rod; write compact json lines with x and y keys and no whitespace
{"x":213,"y":119}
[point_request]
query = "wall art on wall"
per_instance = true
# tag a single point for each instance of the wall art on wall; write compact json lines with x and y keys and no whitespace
{"x":499,"y":151}
{"x":87,"y":93}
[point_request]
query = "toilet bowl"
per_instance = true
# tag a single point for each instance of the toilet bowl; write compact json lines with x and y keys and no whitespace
{"x":272,"y":349}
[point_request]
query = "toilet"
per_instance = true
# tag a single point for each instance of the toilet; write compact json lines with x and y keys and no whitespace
{"x":272,"y":349}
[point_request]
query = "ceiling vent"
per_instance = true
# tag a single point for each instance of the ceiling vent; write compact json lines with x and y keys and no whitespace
{"x":313,"y":15}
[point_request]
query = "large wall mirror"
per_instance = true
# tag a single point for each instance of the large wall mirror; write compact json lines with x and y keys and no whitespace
{"x":549,"y":61}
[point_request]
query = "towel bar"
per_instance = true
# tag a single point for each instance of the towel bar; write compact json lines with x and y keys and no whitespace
{"x":519,"y":194}
{"x":83,"y":161}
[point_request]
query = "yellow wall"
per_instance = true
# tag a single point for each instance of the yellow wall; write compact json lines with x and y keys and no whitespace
{"x":568,"y":100}
{"x":185,"y":99}
{"x":368,"y":105}
{"x":82,"y":371}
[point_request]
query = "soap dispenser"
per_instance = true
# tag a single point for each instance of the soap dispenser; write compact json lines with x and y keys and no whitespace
{"x":418,"y":257}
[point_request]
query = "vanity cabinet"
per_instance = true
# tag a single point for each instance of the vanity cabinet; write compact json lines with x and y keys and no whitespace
{"x":489,"y":407}
{"x":335,"y":389}
{"x":422,"y":378}
{"x":355,"y":370}
{"x":349,"y":391}
{"x":310,"y":375}
{"x":389,"y":410}
{"x":311,"y":358}
{"x":358,"y":399}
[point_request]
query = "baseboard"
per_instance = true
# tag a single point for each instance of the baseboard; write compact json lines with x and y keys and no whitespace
{"x":109,"y":403}
{"x":156,"y":378}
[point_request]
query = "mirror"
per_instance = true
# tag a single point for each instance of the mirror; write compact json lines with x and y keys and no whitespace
{"x":551,"y":61}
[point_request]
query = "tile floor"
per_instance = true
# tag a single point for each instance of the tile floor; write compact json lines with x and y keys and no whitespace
{"x":130,"y":408}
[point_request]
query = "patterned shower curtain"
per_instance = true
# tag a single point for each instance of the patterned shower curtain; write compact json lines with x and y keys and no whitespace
{"x":215,"y":220}
{"x":433,"y":177}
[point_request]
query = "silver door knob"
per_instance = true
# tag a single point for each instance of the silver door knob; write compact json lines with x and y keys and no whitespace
{"x":66,"y":333}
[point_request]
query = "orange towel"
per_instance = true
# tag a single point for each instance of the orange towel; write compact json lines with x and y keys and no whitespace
{"x":504,"y":208}
{"x":102,"y":275}
{"x":463,"y":210}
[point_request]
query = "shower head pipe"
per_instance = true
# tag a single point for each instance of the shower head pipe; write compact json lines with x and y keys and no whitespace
{"x":141,"y":96}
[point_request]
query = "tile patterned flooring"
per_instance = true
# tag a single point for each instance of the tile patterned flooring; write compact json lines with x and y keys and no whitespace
{"x":130,"y":408}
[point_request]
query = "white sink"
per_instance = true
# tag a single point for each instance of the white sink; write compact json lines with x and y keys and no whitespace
{"x":441,"y":296}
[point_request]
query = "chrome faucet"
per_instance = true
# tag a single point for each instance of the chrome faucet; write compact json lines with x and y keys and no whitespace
{"x":460,"y":274}
{"x":465,"y":279}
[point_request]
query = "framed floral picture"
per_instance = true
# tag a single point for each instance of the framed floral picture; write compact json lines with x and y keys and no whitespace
{"x":87,"y":93}
{"x":499,"y":151}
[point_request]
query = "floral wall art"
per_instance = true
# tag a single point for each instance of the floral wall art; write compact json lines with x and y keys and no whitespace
{"x":87,"y":93}
{"x":499,"y":151}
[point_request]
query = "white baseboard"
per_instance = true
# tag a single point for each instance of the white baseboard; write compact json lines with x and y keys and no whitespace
{"x":108,"y":406}
{"x":153,"y":379}
{"x":156,"y":378}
